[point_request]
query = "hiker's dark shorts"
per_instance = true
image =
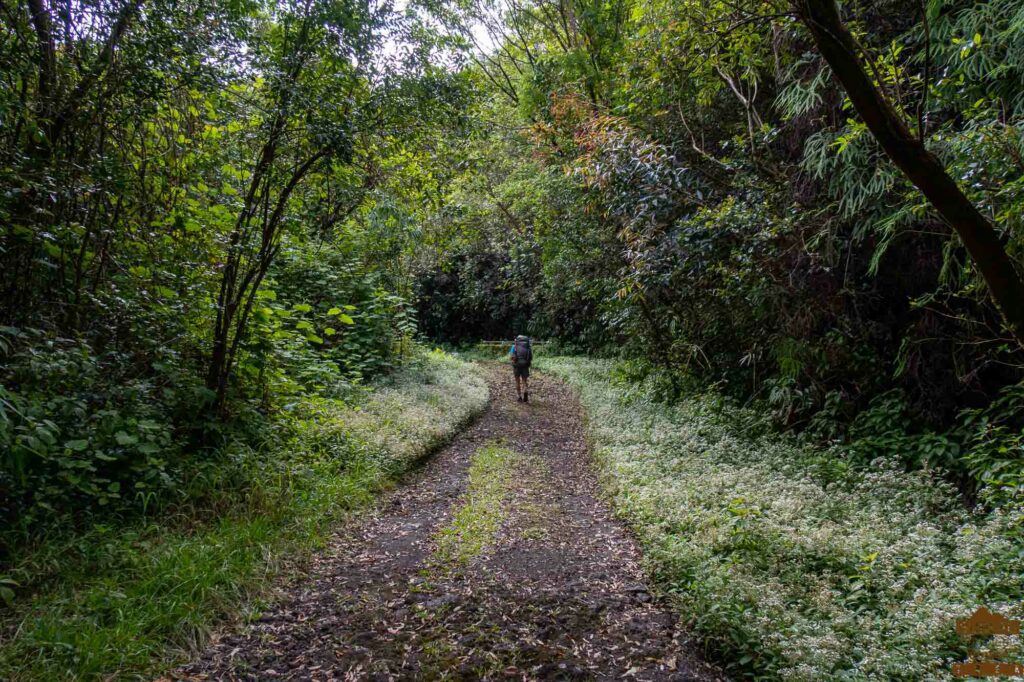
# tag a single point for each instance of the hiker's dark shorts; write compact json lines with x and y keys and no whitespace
{"x":523,"y":372}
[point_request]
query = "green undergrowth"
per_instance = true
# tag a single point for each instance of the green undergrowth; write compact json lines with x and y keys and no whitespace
{"x":492,"y":352}
{"x":123,"y":600}
{"x":483,"y":353}
{"x":792,"y":561}
{"x":478,"y":518}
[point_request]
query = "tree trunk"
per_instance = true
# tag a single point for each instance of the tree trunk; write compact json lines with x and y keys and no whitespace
{"x":922,"y":167}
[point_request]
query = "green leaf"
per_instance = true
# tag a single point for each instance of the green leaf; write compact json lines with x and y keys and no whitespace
{"x":345,"y":319}
{"x":123,"y":438}
{"x":330,"y":331}
{"x":76,"y":445}
{"x":334,"y":311}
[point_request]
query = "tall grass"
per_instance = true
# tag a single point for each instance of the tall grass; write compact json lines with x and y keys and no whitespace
{"x":125,"y":600}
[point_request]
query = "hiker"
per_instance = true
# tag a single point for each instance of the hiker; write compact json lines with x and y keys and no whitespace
{"x":521,"y":355}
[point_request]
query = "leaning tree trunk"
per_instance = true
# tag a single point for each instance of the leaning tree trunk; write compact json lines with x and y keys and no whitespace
{"x":923,"y":168}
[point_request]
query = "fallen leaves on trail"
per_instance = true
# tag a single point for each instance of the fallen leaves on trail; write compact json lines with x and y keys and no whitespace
{"x":557,"y":593}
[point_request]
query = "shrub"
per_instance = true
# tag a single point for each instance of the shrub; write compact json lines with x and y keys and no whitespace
{"x":77,"y":429}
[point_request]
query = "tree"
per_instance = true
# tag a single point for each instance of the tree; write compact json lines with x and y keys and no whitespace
{"x":909,"y":153}
{"x":311,"y":79}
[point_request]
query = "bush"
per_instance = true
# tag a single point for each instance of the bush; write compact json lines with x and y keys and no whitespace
{"x":87,"y":428}
{"x":78,"y":430}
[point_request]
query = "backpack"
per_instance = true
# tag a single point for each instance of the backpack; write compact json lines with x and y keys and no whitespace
{"x":524,"y":354}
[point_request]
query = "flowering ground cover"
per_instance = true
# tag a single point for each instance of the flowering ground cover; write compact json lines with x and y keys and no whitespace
{"x":789,"y":561}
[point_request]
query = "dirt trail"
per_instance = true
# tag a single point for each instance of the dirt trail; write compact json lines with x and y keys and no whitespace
{"x":524,"y":576}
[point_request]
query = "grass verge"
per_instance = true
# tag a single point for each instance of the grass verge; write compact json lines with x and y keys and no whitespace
{"x":790,"y":561}
{"x":124,"y":601}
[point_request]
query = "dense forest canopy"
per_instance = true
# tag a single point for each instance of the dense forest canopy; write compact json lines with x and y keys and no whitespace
{"x":691,"y":185}
{"x":210,"y":208}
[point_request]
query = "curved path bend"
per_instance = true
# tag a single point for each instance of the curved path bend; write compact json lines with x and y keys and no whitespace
{"x":497,"y":559}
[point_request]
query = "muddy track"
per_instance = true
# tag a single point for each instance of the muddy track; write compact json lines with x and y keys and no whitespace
{"x":554,"y":590}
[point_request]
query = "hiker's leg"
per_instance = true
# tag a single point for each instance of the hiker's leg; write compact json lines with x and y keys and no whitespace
{"x":526,"y":385}
{"x":519,"y":385}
